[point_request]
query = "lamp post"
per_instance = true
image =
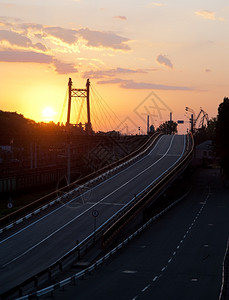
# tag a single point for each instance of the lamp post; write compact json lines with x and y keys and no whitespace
{"x":188,"y":109}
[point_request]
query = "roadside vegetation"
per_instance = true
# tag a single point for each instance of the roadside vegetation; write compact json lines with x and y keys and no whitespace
{"x":217,"y":130}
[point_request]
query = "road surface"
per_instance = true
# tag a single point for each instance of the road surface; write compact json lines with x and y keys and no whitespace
{"x":178,"y":257}
{"x":32,"y":247}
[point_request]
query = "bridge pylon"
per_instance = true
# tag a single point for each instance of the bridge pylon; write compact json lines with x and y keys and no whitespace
{"x":79,"y":93}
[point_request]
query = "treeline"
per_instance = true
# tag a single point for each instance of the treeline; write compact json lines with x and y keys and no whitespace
{"x":15,"y":128}
{"x":222,"y":134}
{"x":217,"y":130}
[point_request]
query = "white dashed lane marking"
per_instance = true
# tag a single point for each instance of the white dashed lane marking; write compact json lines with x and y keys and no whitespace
{"x":178,"y":247}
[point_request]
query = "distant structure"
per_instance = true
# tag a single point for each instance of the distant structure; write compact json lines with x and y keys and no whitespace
{"x":171,"y":116}
{"x":204,"y":154}
{"x":148,"y":124}
{"x":151,"y":129}
{"x":202,"y":117}
{"x":79,"y":93}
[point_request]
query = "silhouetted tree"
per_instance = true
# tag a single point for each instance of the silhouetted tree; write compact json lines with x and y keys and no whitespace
{"x":168,"y":127}
{"x":222,"y":135}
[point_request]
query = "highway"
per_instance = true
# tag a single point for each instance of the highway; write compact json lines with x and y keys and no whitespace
{"x":178,"y":257}
{"x":34,"y":245}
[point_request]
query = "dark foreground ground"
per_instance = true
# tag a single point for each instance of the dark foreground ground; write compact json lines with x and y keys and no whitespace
{"x":178,"y":257}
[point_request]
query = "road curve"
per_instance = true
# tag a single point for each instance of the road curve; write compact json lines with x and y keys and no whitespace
{"x":27,"y":250}
{"x":178,"y":257}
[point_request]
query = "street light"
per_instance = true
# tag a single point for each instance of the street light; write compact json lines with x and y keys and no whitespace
{"x":193,"y":117}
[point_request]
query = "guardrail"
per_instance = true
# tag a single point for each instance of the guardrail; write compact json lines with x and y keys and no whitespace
{"x":72,"y":280}
{"x":152,"y":192}
{"x":99,"y":174}
{"x":76,"y":252}
{"x":224,"y":292}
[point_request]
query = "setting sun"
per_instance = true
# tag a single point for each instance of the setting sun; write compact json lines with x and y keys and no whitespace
{"x":48,"y":114}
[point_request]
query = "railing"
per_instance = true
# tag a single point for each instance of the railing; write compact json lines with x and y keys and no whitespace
{"x":152,"y":192}
{"x":38,"y":204}
{"x":224,"y":293}
{"x":80,"y":275}
{"x":76,"y":252}
{"x":106,"y":231}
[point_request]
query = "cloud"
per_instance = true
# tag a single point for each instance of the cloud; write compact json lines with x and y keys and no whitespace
{"x":25,"y":56}
{"x":158,"y":4}
{"x":68,"y":36}
{"x":130,"y":84}
{"x":29,"y":42}
{"x":122,"y":18}
{"x":104,"y":39}
{"x":8,"y":21}
{"x":16,"y":39}
{"x":111,"y":72}
{"x":28,"y":27}
{"x":64,"y":68}
{"x":40,"y":46}
{"x":221,"y":19}
{"x":163,"y":60}
{"x":93,"y":38}
{"x":41,"y":58}
{"x":206,"y":14}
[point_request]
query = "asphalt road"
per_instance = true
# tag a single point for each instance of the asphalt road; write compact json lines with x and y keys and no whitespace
{"x":178,"y":257}
{"x":32,"y":247}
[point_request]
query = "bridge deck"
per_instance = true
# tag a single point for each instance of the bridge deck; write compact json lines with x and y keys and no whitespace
{"x":27,"y":250}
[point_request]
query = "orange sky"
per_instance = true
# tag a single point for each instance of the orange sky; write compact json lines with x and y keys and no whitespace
{"x":177,"y":50}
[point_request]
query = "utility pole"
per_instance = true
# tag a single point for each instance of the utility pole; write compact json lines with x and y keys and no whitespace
{"x":191,"y":121}
{"x":68,"y":162}
{"x":69,"y":101}
{"x":171,"y":116}
{"x":88,"y":106}
{"x":147,"y":124}
{"x":68,"y":134}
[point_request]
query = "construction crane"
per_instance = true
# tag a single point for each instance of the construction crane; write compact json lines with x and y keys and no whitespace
{"x":203,"y":116}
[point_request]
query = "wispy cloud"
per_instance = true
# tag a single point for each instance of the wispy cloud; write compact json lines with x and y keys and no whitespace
{"x":112,"y":72}
{"x":68,"y":36}
{"x":25,"y":57}
{"x":158,"y":4}
{"x":105,"y":39}
{"x":130,"y":84}
{"x":164,"y":60}
{"x":31,"y":42}
{"x":16,"y":39}
{"x":206,"y":14}
{"x":41,"y":58}
{"x":122,"y":18}
{"x":64,"y":68}
{"x":93,"y":38}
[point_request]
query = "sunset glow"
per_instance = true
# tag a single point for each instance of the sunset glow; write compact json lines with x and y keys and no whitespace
{"x":178,"y":50}
{"x":48,"y":113}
